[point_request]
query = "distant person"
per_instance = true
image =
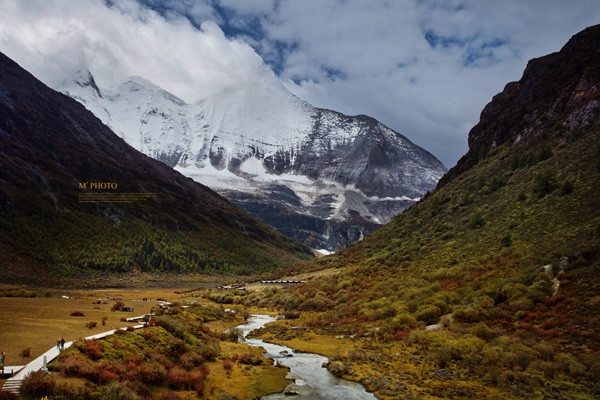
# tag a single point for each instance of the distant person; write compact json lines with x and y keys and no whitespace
{"x":58,"y":344}
{"x":62,"y":343}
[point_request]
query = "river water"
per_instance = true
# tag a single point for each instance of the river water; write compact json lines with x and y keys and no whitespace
{"x":311,"y":380}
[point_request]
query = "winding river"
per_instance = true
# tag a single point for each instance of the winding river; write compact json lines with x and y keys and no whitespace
{"x":311,"y":380}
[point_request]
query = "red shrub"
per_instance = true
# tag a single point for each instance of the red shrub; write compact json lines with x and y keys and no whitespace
{"x":197,"y":378}
{"x":550,"y":324}
{"x":400,"y":335}
{"x":132,"y":358}
{"x":177,"y":378}
{"x":554,"y":300}
{"x":93,"y":349}
{"x":169,"y":396}
{"x":76,"y":366}
{"x":190,"y":360}
{"x":525,"y":325}
{"x":130,"y":329}
{"x":573,"y":331}
{"x":547,"y":333}
{"x":151,"y":374}
{"x":105,"y":377}
{"x":227,"y":365}
{"x":37,"y":384}
{"x":116,"y":367}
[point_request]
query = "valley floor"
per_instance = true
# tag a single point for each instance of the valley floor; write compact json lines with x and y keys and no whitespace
{"x":411,"y":365}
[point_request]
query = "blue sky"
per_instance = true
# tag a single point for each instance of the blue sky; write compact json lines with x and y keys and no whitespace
{"x":425,"y":68}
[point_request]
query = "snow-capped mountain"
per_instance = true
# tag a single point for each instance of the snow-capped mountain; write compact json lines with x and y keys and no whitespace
{"x":317,"y":175}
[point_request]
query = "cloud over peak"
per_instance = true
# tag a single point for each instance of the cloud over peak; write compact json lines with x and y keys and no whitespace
{"x":426,"y":68}
{"x":56,"y":38}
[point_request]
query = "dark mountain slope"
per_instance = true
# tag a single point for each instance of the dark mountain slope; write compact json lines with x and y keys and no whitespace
{"x":50,"y":144}
{"x":504,"y":254}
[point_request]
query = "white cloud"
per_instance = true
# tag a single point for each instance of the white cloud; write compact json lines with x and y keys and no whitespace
{"x":54,"y":38}
{"x":426,"y":68}
{"x":383,"y":65}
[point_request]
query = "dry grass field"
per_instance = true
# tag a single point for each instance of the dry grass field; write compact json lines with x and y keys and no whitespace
{"x":37,"y":322}
{"x":246,"y":382}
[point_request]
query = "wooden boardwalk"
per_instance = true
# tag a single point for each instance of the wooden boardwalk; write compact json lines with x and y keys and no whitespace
{"x":13,"y":384}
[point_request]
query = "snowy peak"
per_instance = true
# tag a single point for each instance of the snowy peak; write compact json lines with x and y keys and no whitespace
{"x":296,"y":167}
{"x":142,"y":89}
{"x":84,"y":79}
{"x":255,"y":117}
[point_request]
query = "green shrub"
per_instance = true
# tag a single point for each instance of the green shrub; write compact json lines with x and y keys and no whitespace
{"x":466,"y":314}
{"x":569,"y":364}
{"x":522,"y":303}
{"x":476,"y":220}
{"x":117,"y":391}
{"x":491,"y":355}
{"x":403,"y":322}
{"x":428,"y":313}
{"x":483,"y":302}
{"x":482,"y":331}
{"x":519,"y":355}
{"x":566,"y":188}
{"x":595,"y":370}
{"x":338,"y":368}
{"x":545,"y":351}
{"x":544,"y":183}
{"x":443,"y":357}
{"x":506,"y":241}
{"x":226,"y":396}
{"x":549,"y":368}
{"x":466,"y":346}
{"x":420,"y":337}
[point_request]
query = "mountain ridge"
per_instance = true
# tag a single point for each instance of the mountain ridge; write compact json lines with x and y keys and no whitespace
{"x":489,"y":286}
{"x":352,"y":172}
{"x":51,"y":145}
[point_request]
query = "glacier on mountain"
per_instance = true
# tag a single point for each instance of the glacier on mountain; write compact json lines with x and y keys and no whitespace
{"x":317,"y":175}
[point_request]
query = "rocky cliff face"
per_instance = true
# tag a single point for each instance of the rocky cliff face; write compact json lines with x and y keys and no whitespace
{"x":558,"y":89}
{"x":319,"y":176}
